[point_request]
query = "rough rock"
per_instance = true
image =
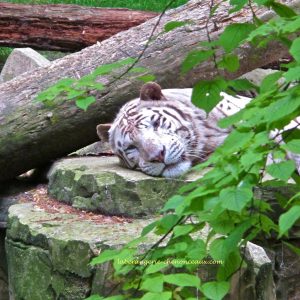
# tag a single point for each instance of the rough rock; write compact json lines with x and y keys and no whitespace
{"x":256,"y":280}
{"x":9,"y":196}
{"x":3,"y":268}
{"x":100,"y":184}
{"x":286,"y":270}
{"x":257,"y":76}
{"x":48,"y":254}
{"x":20,"y":61}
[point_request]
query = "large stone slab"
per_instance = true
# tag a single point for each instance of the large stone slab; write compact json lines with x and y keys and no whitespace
{"x":48,"y":257}
{"x":21,"y":60}
{"x":100,"y":184}
{"x":48,"y":254}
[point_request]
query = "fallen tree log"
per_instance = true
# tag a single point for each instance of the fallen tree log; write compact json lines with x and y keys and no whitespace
{"x":32,"y":134}
{"x":63,"y":27}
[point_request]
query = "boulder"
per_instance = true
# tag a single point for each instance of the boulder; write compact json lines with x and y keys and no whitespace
{"x":257,"y":76}
{"x":48,"y":254}
{"x":100,"y":184}
{"x":255,"y":281}
{"x":20,"y":61}
{"x":3,"y":268}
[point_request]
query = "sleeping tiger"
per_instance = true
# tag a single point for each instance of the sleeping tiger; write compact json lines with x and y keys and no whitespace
{"x":162,"y":133}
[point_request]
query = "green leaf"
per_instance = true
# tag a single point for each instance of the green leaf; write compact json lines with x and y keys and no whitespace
{"x":264,"y":2}
{"x":182,"y":279}
{"x":295,"y":49}
{"x":282,"y":108}
{"x":293,"y":248}
{"x":234,"y":35}
{"x":175,"y":248}
{"x":153,"y":284}
{"x":182,"y":230}
{"x":108,"y":68}
{"x":147,"y":78}
{"x":235,"y":198}
{"x":149,"y":228}
{"x":95,"y":297}
{"x":104,"y":256}
{"x":293,"y":146}
{"x":118,"y":297}
{"x":292,"y":74}
{"x":216,"y":249}
{"x":282,"y":170}
{"x":229,"y":121}
{"x":222,"y":226}
{"x":155,"y":296}
{"x":155,"y":268}
{"x":283,"y":10}
{"x":287,"y":220}
{"x":230,"y":265}
{"x":232,"y":241}
{"x":267,"y":224}
{"x":270,"y":82}
{"x":250,"y":158}
{"x":173,"y":202}
{"x":84,"y":103}
{"x":66,"y":82}
{"x":291,"y":134}
{"x":166,"y":223}
{"x":292,"y":26}
{"x":241,"y":85}
{"x":74,"y":94}
{"x":236,"y":141}
{"x":197,"y":250}
{"x":264,"y":30}
{"x":230,"y":62}
{"x":174,"y":24}
{"x":206,"y":93}
{"x":238,"y":4}
{"x":194,"y":58}
{"x":215,"y":290}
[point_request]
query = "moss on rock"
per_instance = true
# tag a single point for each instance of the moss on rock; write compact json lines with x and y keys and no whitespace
{"x":100,"y":184}
{"x":48,"y":254}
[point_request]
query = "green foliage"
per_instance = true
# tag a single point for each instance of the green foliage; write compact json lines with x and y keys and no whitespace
{"x":215,"y":290}
{"x":4,"y":53}
{"x":194,"y":58}
{"x":287,"y":220}
{"x":79,"y":90}
{"x":234,"y":35}
{"x":224,"y":198}
{"x":173,"y":25}
{"x":206,"y":93}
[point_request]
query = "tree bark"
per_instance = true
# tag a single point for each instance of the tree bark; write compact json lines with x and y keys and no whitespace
{"x":63,"y":27}
{"x":32,"y":133}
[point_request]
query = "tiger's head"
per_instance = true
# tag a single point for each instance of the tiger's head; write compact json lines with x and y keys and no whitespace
{"x":161,"y":133}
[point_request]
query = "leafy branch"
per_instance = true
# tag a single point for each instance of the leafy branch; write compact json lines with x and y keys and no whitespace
{"x":225,"y":197}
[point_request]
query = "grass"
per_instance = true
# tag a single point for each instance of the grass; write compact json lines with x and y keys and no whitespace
{"x":153,"y":5}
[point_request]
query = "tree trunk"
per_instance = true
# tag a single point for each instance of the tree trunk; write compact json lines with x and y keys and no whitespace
{"x":63,"y":27}
{"x":32,"y":134}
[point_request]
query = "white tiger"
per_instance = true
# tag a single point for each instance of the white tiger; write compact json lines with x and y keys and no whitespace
{"x":163,"y":134}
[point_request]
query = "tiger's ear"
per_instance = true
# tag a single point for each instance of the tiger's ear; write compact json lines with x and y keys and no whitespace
{"x":151,"y":91}
{"x":102,"y":131}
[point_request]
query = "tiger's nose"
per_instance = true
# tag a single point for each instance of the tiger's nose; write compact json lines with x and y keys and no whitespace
{"x":159,"y":156}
